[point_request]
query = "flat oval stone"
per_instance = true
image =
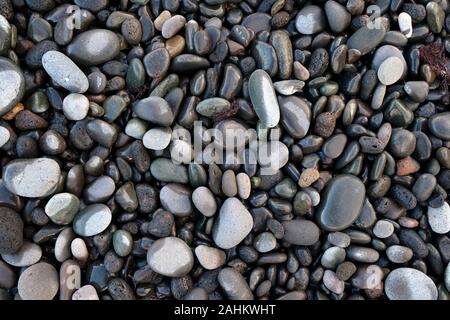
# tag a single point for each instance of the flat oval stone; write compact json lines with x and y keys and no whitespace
{"x":338,"y":17}
{"x":213,"y":106}
{"x":28,"y":254}
{"x":92,"y":220}
{"x":157,"y":63}
{"x":176,"y":198}
{"x":366,"y":39}
{"x":295,"y":116}
{"x":157,"y":138}
{"x":234,"y":285}
{"x":65,"y":72}
{"x":5,"y":35}
{"x":338,"y":210}
{"x":409,"y":284}
{"x":439,"y":218}
{"x":165,"y":170}
{"x":75,"y":106}
{"x":94,"y":47}
{"x":399,"y":254}
{"x":233,"y":224}
{"x":38,"y":282}
{"x":62,"y":244}
{"x":439,"y":125}
{"x":122,"y":243}
{"x":13,"y":85}
{"x":32,"y":178}
{"x":310,"y":20}
{"x":390,"y":71}
{"x":301,"y":232}
{"x":203,"y":199}
{"x":86,"y":292}
{"x":170,"y":257}
{"x":210,"y":258}
{"x":264,"y":99}
{"x":62,"y":207}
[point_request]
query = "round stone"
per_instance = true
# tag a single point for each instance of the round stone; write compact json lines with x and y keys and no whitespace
{"x":234,"y":285}
{"x":310,"y":20}
{"x":172,"y":25}
{"x":13,"y":85}
{"x":170,"y":257}
{"x":383,"y":229}
{"x":338,"y":210}
{"x":409,"y":284}
{"x":75,"y":106}
{"x":94,"y":47}
{"x":176,"y":198}
{"x":390,"y":71}
{"x":62,"y":244}
{"x":439,"y":125}
{"x":62,"y":207}
{"x":301,"y":232}
{"x":154,"y":109}
{"x":233,"y":224}
{"x":439,"y":218}
{"x":265,"y":242}
{"x":92,"y":220}
{"x":332,"y":257}
{"x":122,"y":242}
{"x":157,"y":138}
{"x":337,"y":15}
{"x":38,"y":282}
{"x":65,"y":72}
{"x":86,"y":292}
{"x":157,"y":63}
{"x":295,"y":116}
{"x":32,"y":178}
{"x":210,"y":258}
{"x":399,"y":254}
{"x":203,"y":199}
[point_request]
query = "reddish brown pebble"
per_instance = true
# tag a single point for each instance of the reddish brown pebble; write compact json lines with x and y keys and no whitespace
{"x":13,"y":112}
{"x":407,"y":166}
{"x":325,"y":123}
{"x":27,"y":120}
{"x":308,"y":177}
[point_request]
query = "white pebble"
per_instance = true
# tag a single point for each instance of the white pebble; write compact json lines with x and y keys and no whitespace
{"x":390,"y":71}
{"x":439,"y":218}
{"x":405,"y":24}
{"x":79,"y":249}
{"x":4,"y":136}
{"x":86,"y":292}
{"x":157,"y":138}
{"x":75,"y":106}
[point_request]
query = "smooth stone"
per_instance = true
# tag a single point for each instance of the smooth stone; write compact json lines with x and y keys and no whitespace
{"x":62,"y":244}
{"x":7,"y":276}
{"x":203,"y":199}
{"x":332,"y":257}
{"x":387,"y":51}
{"x":92,"y":220}
{"x":188,"y":62}
{"x":439,"y":218}
{"x":265,"y":242}
{"x":157,"y":138}
{"x":93,"y":6}
{"x":409,"y":284}
{"x":4,"y":136}
{"x":65,"y":72}
{"x":301,"y":232}
{"x":362,"y":254}
{"x":62,"y":207}
{"x":38,"y":282}
{"x":136,"y":128}
{"x":332,"y":282}
{"x":94,"y":47}
{"x":435,"y":17}
{"x":172,"y":26}
{"x":102,"y":132}
{"x":197,"y":294}
{"x":176,"y":198}
{"x":85,"y":293}
{"x":439,"y":125}
{"x":447,"y":277}
{"x":154,"y":109}
{"x":5,"y":36}
{"x":283,"y":48}
{"x":126,"y":197}
{"x":210,"y":258}
{"x":272,"y":156}
{"x":337,"y":211}
{"x":399,"y":254}
{"x":243,"y":185}
{"x":264,"y":99}
{"x":234,"y":285}
{"x":424,"y":186}
{"x":390,"y":71}
{"x":417,"y":90}
{"x":257,"y":22}
{"x":32,"y":178}
{"x":289,"y":87}
{"x":334,"y":146}
{"x":402,"y":143}
{"x":233,"y":224}
{"x":383,"y":229}
{"x":366,"y":39}
{"x":229,"y":186}
{"x":99,"y":190}
{"x":122,"y":242}
{"x":213,"y":106}
{"x":170,"y":257}
{"x":295,"y":116}
{"x":405,"y":24}
{"x":75,"y":106}
{"x":337,"y":15}
{"x":28,"y":254}
{"x":13,"y":85}
{"x":265,"y":57}
{"x":310,"y":20}
{"x":157,"y":63}
{"x":165,"y":170}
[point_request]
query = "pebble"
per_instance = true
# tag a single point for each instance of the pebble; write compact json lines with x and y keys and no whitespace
{"x":409,"y":284}
{"x":75,"y":106}
{"x":86,"y":292}
{"x":176,"y":198}
{"x":301,"y":232}
{"x":332,"y":282}
{"x":32,"y":178}
{"x":28,"y":254}
{"x":439,"y":125}
{"x":365,"y":39}
{"x":154,"y":109}
{"x":203,"y":199}
{"x":7,"y":276}
{"x":243,"y":185}
{"x":38,"y":282}
{"x":399,"y":254}
{"x":337,"y":211}
{"x":233,"y":224}
{"x":383,"y":229}
{"x":337,"y":15}
{"x":172,"y":26}
{"x":157,"y":63}
{"x":170,"y":257}
{"x":390,"y":71}
{"x":13,"y":85}
{"x":122,"y":242}
{"x":4,"y":136}
{"x":62,"y":244}
{"x":234,"y":285}
{"x":405,"y":24}
{"x":5,"y":35}
{"x":157,"y":138}
{"x":310,"y":20}
{"x":210,"y":258}
{"x":264,"y":99}
{"x":265,"y":242}
{"x":79,"y":250}
{"x":62,"y":207}
{"x":332,"y":257}
{"x":295,"y":116}
{"x":92,"y":220}
{"x":65,"y":72}
{"x":165,"y":170}
{"x":439,"y":218}
{"x":94,"y":47}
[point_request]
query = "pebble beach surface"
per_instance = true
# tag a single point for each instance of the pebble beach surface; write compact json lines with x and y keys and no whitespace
{"x":224,"y":150}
